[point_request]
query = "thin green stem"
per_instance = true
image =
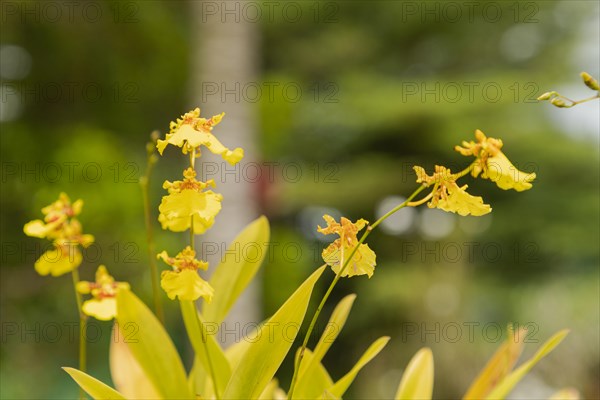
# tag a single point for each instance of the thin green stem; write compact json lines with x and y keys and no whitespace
{"x":193,"y":157}
{"x":335,"y":281}
{"x":585,"y":100}
{"x":208,"y":360}
{"x":573,"y":102}
{"x":201,"y":325}
{"x":82,"y":328}
{"x":423,"y":200}
{"x":465,"y":171}
{"x":192,"y":238}
{"x":145,"y":183}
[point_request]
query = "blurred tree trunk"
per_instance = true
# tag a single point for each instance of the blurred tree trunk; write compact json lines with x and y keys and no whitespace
{"x":225,"y":58}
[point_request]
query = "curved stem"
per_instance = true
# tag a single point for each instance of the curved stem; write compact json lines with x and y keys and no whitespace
{"x":419,"y":202}
{"x":335,"y":281}
{"x":464,"y":171}
{"x":585,"y":100}
{"x":574,"y":102}
{"x":82,"y":328}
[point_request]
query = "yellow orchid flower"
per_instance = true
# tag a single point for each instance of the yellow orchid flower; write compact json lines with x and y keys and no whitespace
{"x":335,"y":255}
{"x":103,"y":305}
{"x":190,"y":132}
{"x":492,"y":164}
{"x":448,"y":196}
{"x":55,"y":215}
{"x":58,"y":261}
{"x":187,"y":199}
{"x":183,"y":281}
{"x":60,"y":226}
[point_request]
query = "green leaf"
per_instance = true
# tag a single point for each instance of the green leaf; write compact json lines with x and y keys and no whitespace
{"x":271,"y":391}
{"x":340,"y":387}
{"x":499,"y":366}
{"x":152,"y":347}
{"x":417,"y":380}
{"x":511,"y":380}
{"x":275,"y":338}
{"x":197,"y":378}
{"x":316,"y":379}
{"x":236,"y":351}
{"x":309,"y":367}
{"x":203,"y":342}
{"x":93,"y":386}
{"x":242,"y":260}
{"x":127,"y":374}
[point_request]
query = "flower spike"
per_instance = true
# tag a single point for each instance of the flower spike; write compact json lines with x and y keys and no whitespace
{"x":60,"y":226}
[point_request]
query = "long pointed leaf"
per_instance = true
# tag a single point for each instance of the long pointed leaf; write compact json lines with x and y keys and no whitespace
{"x":197,"y":379}
{"x":92,"y":386}
{"x":508,"y":383}
{"x":334,"y":327}
{"x":498,"y":367}
{"x":263,"y":357}
{"x":236,"y":351}
{"x":202,"y":343}
{"x":316,"y":379}
{"x":241,"y":262}
{"x":311,"y":366}
{"x":152,"y":347}
{"x":340,"y":387}
{"x":417,"y":381}
{"x":127,"y":374}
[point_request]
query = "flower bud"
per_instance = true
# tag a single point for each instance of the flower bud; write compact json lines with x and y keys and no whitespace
{"x":558,"y":102}
{"x":545,"y":96}
{"x":154,"y":136}
{"x":589,"y":81}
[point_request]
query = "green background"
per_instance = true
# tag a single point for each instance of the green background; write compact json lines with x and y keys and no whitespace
{"x":385,"y":85}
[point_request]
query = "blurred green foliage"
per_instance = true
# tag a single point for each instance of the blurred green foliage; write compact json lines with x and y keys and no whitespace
{"x":379,"y":94}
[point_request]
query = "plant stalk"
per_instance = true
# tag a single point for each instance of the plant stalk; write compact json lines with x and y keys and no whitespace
{"x":151,"y":248}
{"x":335,"y":281}
{"x":82,"y":329}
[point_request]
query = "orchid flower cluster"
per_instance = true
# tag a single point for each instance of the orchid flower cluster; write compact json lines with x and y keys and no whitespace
{"x":247,"y":369}
{"x":60,"y":225}
{"x":189,"y":205}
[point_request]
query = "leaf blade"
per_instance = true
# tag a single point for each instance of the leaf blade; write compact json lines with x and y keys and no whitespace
{"x":152,"y":347}
{"x":238,"y":268}
{"x":310,"y":368}
{"x":127,"y":374}
{"x":92,"y":386}
{"x":498,"y":366}
{"x":417,"y":380}
{"x":511,"y":380}
{"x":198,"y":334}
{"x":263,"y":357}
{"x":339,"y":388}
